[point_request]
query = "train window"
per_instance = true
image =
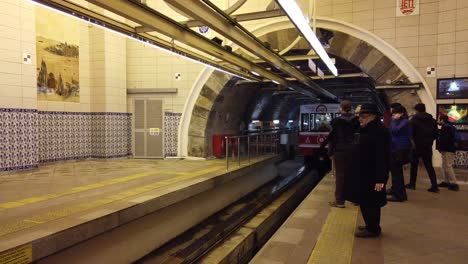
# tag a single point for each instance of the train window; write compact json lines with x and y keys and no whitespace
{"x":305,"y":121}
{"x":322,"y":121}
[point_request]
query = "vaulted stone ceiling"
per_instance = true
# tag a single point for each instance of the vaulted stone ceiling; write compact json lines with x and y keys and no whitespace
{"x":223,"y":105}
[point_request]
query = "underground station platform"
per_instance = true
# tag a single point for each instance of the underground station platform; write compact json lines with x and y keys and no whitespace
{"x":139,"y":211}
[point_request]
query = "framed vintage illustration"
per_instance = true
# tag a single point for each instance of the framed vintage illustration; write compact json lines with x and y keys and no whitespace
{"x":452,"y":88}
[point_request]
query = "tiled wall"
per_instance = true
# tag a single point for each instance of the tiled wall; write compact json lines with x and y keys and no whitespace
{"x":171,"y":128}
{"x":19,"y":143}
{"x":30,"y":137}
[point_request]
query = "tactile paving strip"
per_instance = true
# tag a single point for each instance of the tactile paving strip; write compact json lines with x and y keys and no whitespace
{"x":335,"y":242}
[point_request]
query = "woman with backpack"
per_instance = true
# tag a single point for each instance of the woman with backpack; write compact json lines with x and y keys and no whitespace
{"x":446,"y":146}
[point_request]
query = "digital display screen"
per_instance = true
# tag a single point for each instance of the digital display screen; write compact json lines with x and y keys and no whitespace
{"x":453,"y":88}
{"x":457,"y":113}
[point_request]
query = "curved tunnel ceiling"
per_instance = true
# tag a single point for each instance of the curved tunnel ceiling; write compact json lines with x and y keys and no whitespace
{"x":364,"y":65}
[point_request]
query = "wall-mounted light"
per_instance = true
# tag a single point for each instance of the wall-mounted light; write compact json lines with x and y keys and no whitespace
{"x":294,"y":13}
{"x":276,"y":122}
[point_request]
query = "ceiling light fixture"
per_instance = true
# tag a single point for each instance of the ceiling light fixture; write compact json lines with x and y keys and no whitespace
{"x":294,"y":13}
{"x":138,"y":38}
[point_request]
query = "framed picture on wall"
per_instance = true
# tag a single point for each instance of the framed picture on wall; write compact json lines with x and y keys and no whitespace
{"x":457,"y":113}
{"x":452,"y":88}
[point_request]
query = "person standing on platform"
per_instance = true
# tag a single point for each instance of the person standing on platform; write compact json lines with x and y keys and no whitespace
{"x":400,"y":131}
{"x":424,"y":133}
{"x":340,"y":142}
{"x":446,"y":147}
{"x":365,"y":183}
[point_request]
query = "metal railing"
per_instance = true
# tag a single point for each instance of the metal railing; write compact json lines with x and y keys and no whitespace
{"x":242,"y":149}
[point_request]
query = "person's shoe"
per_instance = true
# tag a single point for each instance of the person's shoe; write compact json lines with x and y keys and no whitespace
{"x":361,"y":228}
{"x":433,"y":189}
{"x":444,"y":184}
{"x":410,"y":186}
{"x":389,"y":191}
{"x":336,"y":204}
{"x":392,"y":198}
{"x":366,"y":233}
{"x":454,"y":187}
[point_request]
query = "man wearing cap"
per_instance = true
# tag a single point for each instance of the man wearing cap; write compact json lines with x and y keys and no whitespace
{"x":365,"y":184}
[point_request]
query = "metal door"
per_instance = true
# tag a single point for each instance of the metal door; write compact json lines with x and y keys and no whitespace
{"x":148,"y":128}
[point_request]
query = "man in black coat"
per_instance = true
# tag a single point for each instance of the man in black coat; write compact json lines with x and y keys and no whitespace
{"x":365,"y":184}
{"x":424,"y":133}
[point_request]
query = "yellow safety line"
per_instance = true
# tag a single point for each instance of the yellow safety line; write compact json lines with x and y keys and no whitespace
{"x":31,"y":200}
{"x":22,"y":224}
{"x":335,"y":242}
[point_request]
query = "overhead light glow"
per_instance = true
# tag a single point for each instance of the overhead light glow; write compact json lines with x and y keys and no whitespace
{"x":275,"y":81}
{"x":134,"y":37}
{"x":254,"y":73}
{"x":294,"y":13}
{"x":276,"y":122}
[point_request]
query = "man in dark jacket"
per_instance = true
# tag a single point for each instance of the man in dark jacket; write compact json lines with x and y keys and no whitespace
{"x":446,"y":147}
{"x":365,"y":184}
{"x":339,"y":148}
{"x":424,"y":133}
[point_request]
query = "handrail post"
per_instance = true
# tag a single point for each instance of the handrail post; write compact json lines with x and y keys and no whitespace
{"x":227,"y":153}
{"x":257,"y":147}
{"x":248,"y":148}
{"x":238,"y":150}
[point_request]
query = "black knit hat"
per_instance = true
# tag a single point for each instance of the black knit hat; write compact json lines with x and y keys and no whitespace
{"x":369,"y":109}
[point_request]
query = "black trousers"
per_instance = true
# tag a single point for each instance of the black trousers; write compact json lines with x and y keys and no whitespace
{"x":398,"y":181}
{"x":342,"y":164}
{"x":371,"y":215}
{"x":426,"y":154}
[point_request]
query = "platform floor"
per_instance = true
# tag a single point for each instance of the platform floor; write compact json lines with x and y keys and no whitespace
{"x":35,"y":203}
{"x":428,"y":228}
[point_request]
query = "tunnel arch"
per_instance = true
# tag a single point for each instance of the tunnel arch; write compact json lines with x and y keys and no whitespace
{"x":196,"y":114}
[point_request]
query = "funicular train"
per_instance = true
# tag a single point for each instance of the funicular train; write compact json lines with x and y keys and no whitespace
{"x":314,"y":127}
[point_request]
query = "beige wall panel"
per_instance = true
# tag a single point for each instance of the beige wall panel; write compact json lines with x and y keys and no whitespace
{"x":363,"y":5}
{"x":384,"y":23}
{"x":384,"y":13}
{"x":462,"y":70}
{"x":428,"y":8}
{"x":461,"y":58}
{"x":385,"y":4}
{"x":445,"y":71}
{"x":446,"y":60}
{"x":428,"y":40}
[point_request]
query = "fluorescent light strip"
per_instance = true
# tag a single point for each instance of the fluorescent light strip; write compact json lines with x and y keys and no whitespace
{"x":146,"y":42}
{"x":295,"y":15}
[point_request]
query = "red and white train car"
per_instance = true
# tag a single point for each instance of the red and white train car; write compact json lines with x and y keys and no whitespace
{"x":315,"y":125}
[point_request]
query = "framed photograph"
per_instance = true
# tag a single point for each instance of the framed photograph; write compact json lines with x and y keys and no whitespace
{"x":452,"y":88}
{"x":457,"y":113}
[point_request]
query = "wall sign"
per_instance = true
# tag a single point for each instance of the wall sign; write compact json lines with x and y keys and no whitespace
{"x":407,"y":7}
{"x":154,"y":131}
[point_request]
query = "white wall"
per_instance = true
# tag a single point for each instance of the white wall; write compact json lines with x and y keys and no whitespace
{"x":17,"y":35}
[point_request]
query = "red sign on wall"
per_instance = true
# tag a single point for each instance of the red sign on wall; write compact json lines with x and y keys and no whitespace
{"x":407,"y":7}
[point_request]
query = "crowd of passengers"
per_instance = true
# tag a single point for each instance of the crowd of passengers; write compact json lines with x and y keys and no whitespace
{"x":365,"y":152}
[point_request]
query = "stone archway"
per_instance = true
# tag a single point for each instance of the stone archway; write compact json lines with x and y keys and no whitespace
{"x":374,"y":56}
